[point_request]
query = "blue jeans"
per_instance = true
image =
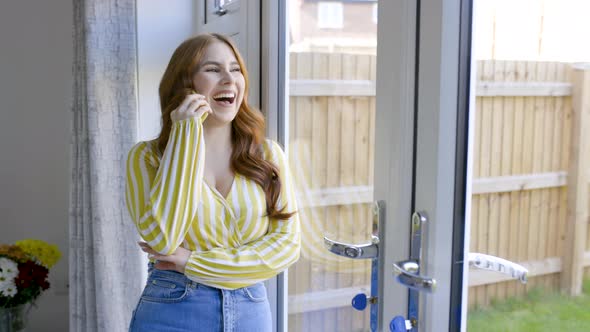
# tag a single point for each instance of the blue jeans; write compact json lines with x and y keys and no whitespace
{"x":172,"y":302}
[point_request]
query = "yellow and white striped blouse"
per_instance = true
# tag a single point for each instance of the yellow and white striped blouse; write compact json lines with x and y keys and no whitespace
{"x":233,"y":242}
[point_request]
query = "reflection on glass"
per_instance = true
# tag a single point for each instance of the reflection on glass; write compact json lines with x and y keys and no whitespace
{"x":331,"y":138}
{"x":524,"y":144}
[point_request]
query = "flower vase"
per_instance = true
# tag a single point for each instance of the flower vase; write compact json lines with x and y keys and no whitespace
{"x":14,"y":319}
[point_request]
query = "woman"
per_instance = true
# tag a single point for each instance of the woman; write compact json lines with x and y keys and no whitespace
{"x":211,"y":198}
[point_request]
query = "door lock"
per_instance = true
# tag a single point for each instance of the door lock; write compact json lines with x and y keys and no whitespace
{"x":408,"y":274}
{"x":364,"y":251}
{"x":407,"y":271}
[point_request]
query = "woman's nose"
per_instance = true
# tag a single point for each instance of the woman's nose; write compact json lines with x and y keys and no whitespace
{"x":227,"y":77}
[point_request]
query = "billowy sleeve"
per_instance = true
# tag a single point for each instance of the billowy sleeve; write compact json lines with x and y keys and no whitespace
{"x":162,"y":195}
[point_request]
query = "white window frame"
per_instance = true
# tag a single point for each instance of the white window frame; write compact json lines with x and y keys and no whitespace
{"x":330,"y":15}
{"x":374,"y":12}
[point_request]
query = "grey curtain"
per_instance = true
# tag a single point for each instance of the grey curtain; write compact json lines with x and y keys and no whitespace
{"x":106,"y":268}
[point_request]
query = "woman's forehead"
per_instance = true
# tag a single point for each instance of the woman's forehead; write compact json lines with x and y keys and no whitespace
{"x":219,"y":52}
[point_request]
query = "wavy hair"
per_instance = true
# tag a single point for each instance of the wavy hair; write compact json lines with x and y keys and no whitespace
{"x":248,"y":126}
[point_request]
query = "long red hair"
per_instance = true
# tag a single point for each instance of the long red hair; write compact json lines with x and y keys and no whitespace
{"x":248,"y":126}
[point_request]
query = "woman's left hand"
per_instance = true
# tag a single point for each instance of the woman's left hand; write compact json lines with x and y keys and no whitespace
{"x":176,"y":261}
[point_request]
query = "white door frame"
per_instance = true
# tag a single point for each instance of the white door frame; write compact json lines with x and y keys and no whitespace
{"x":440,"y":174}
{"x":394,"y":141}
{"x":274,"y":62}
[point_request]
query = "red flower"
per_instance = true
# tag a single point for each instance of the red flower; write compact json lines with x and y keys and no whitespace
{"x":31,"y":273}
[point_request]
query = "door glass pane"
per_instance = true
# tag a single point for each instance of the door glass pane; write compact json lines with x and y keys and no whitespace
{"x":530,"y":165}
{"x":330,"y":127}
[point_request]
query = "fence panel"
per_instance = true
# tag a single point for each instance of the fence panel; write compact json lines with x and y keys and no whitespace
{"x":337,"y":132}
{"x":521,"y":159}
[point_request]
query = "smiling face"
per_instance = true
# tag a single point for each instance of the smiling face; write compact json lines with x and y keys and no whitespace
{"x":219,"y":78}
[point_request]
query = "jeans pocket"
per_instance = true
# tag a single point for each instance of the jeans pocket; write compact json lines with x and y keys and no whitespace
{"x":255,"y":293}
{"x":163,"y":290}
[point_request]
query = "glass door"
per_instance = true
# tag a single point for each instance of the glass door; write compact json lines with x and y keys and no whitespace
{"x":529,"y":160}
{"x":371,"y":127}
{"x":475,"y":165}
{"x":330,"y":137}
{"x":373,"y":118}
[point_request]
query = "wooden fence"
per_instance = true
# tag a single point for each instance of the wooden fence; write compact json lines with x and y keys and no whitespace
{"x":529,"y":171}
{"x":337,"y":130}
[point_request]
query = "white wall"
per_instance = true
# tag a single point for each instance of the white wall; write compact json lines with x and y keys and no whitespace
{"x":35,"y":97}
{"x":162,"y":26}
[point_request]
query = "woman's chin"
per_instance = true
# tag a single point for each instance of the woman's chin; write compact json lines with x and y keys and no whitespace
{"x":222,"y":117}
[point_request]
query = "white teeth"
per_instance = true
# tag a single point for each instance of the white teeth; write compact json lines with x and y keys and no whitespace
{"x":224,"y":95}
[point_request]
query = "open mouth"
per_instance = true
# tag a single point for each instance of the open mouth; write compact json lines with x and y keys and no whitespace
{"x":225,"y":99}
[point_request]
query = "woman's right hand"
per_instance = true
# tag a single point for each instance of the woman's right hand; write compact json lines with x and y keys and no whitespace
{"x":193,"y":106}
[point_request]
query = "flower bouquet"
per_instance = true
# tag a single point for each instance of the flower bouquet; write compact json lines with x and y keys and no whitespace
{"x":24,"y":268}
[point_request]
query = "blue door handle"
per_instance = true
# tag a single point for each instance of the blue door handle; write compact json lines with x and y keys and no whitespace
{"x":400,"y":324}
{"x":359,"y":302}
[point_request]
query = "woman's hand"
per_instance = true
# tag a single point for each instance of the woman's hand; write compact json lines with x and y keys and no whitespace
{"x":194,"y":105}
{"x":176,"y":261}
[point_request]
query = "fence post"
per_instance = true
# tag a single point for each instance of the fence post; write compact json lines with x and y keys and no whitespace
{"x":578,"y":193}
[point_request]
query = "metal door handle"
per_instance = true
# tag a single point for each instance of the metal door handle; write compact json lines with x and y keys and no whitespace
{"x":406,"y":274}
{"x":219,"y":10}
{"x":362,"y":251}
{"x":497,"y":264}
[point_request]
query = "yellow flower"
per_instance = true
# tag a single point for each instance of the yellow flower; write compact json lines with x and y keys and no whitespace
{"x":45,"y":253}
{"x":13,"y":252}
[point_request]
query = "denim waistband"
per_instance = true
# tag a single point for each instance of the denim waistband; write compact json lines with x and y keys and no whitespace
{"x":174,"y":275}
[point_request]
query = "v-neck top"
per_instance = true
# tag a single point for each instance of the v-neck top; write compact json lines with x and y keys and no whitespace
{"x":213,"y":188}
{"x":233,"y":242}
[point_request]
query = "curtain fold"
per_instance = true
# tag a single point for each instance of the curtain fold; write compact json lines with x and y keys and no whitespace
{"x":107,"y":269}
